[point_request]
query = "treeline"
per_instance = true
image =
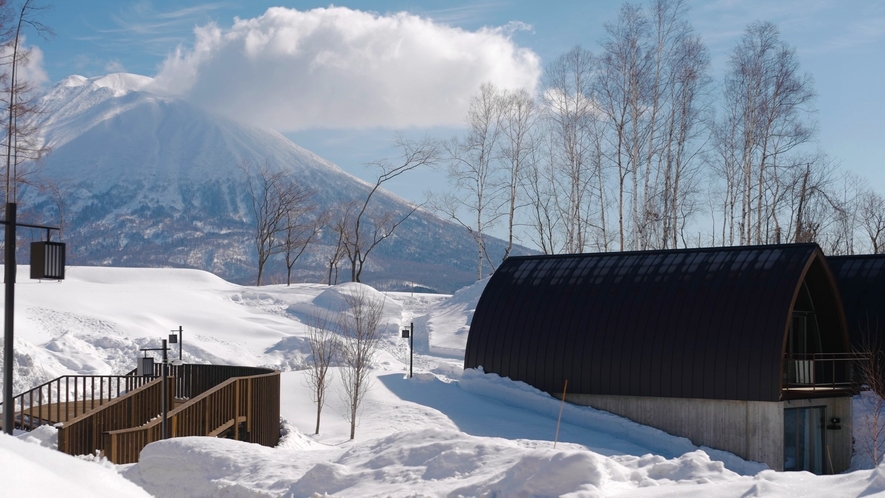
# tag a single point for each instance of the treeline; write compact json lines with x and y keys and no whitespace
{"x":637,"y":146}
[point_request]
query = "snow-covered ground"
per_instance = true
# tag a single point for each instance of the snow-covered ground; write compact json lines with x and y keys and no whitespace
{"x":444,"y":432}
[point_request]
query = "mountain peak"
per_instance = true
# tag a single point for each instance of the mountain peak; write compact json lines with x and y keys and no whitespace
{"x":120,"y":83}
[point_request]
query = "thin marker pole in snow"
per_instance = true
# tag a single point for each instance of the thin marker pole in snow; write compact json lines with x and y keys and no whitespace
{"x":558,"y":420}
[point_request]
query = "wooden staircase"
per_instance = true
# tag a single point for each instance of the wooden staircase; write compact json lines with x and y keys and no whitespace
{"x":119,"y":420}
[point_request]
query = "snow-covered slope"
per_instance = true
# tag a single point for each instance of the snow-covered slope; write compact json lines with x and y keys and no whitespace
{"x":148,"y":180}
{"x":443,"y":432}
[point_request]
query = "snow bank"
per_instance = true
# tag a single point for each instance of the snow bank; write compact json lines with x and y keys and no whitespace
{"x":429,"y":461}
{"x":33,"y":470}
{"x":447,"y":324}
{"x":522,"y":395}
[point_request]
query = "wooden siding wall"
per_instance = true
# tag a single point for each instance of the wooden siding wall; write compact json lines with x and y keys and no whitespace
{"x":753,"y":430}
{"x":191,"y":380}
{"x":253,"y":401}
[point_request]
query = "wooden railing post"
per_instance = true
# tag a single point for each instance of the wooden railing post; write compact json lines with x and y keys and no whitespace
{"x":236,"y":409}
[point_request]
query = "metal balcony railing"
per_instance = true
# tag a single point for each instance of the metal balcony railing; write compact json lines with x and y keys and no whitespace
{"x":820,"y":371}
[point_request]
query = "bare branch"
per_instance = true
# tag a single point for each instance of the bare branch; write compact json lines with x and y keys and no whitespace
{"x":361,"y":229}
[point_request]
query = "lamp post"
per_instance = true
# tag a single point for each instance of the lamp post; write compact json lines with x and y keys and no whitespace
{"x":9,"y":303}
{"x":410,"y":334}
{"x":47,"y":261}
{"x":179,"y":339}
{"x":163,"y":381}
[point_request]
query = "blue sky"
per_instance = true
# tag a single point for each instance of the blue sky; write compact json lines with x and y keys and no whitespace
{"x":841,"y":43}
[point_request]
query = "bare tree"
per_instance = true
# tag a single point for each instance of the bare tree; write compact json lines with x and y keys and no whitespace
{"x":811,"y":203}
{"x":872,"y":219}
{"x":58,"y":191}
{"x":23,"y":143}
{"x":869,"y":427}
{"x":539,"y":184}
{"x":275,"y":199}
{"x":572,"y":114}
{"x":767,"y":104}
{"x":847,"y":193}
{"x":359,"y":329}
{"x":517,"y":151}
{"x":303,"y":223}
{"x":362,"y":229}
{"x":651,"y":86}
{"x":334,"y":256}
{"x":624,"y":88}
{"x":324,"y":346}
{"x":681,"y":138}
{"x":478,"y":197}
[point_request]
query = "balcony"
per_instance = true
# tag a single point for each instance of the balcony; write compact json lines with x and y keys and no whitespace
{"x":820,"y":373}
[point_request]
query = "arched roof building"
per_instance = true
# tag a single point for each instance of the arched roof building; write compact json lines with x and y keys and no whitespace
{"x":753,"y":324}
{"x":861,"y":280}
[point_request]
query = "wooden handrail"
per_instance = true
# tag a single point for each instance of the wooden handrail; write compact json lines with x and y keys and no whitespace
{"x":69,"y":396}
{"x":83,"y":434}
{"x":120,"y":414}
{"x":251,"y":400}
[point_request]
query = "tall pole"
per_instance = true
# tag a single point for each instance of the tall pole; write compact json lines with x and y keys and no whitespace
{"x":9,"y":275}
{"x":163,"y":382}
{"x":411,"y":346}
{"x":180,"y":341}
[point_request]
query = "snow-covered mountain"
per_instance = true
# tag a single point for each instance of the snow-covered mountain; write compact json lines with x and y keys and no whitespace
{"x":149,"y":180}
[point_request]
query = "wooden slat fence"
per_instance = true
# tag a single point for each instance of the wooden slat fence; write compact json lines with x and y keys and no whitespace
{"x":83,"y":435}
{"x":253,"y":402}
{"x":191,"y":380}
{"x":68,"y":397}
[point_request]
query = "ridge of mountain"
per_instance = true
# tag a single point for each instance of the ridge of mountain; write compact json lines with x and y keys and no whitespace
{"x":143,"y":179}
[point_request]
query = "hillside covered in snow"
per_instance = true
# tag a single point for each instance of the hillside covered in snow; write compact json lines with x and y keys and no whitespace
{"x":444,"y":432}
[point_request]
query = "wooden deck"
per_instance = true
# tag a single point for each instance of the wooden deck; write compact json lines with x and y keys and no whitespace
{"x":213,"y":400}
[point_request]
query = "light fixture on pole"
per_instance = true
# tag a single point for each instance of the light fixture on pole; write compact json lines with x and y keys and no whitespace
{"x":164,"y":372}
{"x":409,"y":334}
{"x":173,"y":338}
{"x":47,"y":262}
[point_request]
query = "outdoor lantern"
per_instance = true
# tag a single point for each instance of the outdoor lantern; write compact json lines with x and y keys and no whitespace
{"x":48,"y":260}
{"x":145,"y":366}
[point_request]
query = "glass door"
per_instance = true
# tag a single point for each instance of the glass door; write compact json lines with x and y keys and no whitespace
{"x":804,"y":439}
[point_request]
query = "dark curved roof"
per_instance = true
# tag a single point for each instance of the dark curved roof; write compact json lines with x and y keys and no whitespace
{"x":861,"y":281}
{"x":698,"y":323}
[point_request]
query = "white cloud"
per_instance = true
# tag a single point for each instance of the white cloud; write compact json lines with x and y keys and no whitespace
{"x":114,"y":66}
{"x":341,"y":68}
{"x":30,"y":70}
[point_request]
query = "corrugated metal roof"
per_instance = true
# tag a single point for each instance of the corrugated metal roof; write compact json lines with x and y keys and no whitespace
{"x":861,"y":280}
{"x":698,"y":323}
